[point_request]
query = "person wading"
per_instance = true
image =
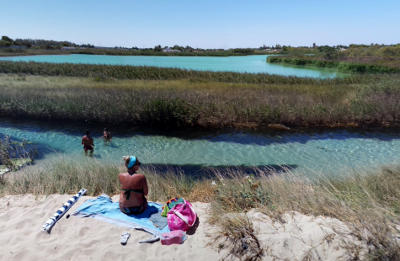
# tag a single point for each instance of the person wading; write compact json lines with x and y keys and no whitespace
{"x":107,"y":135}
{"x":87,"y":142}
{"x":132,"y":199}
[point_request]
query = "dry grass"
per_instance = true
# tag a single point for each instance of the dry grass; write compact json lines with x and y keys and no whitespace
{"x":237,"y":235}
{"x":367,"y":202}
{"x":66,"y":176}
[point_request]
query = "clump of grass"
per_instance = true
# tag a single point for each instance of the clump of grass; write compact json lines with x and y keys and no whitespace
{"x":13,"y":154}
{"x":237,"y":235}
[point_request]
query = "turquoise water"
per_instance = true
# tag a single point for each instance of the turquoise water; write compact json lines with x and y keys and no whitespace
{"x":249,"y":64}
{"x":334,"y":151}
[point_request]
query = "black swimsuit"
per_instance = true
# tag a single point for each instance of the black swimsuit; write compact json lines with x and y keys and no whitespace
{"x":134,"y":210}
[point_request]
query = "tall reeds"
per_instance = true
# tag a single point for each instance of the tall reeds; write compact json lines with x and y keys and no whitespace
{"x":187,"y":103}
{"x":341,"y":66}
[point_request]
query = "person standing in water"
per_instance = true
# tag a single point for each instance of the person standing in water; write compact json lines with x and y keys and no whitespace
{"x":134,"y":190}
{"x":87,"y":142}
{"x":107,"y":135}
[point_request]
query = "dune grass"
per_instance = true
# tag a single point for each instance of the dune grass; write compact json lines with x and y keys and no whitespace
{"x":367,"y":202}
{"x":181,"y":103}
{"x":238,"y":236}
{"x":66,"y":176}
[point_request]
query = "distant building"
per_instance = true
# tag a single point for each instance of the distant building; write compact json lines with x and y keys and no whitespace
{"x":270,"y":50}
{"x":169,"y":50}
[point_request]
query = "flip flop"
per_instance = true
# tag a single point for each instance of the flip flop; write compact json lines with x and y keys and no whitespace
{"x":124,"y":238}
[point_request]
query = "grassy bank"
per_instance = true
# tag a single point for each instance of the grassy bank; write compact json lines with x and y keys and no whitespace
{"x":367,"y":202}
{"x":341,"y":66}
{"x":13,"y":155}
{"x":177,"y":103}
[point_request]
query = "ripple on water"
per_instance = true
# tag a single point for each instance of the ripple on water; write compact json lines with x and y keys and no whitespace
{"x":333,"y":152}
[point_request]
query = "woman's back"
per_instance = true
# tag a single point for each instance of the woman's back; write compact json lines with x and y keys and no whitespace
{"x":133,"y":190}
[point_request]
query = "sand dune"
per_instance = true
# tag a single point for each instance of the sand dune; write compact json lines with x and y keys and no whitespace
{"x":21,"y":237}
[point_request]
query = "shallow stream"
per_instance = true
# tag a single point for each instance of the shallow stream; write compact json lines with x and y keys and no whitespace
{"x":330,"y":152}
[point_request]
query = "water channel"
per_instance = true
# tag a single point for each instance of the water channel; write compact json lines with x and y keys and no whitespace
{"x":329,"y":152}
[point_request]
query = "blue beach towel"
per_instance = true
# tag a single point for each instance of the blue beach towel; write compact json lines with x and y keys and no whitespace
{"x":103,"y":208}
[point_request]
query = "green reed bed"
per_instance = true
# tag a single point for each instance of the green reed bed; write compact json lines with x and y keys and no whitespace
{"x":373,"y":101}
{"x":341,"y":66}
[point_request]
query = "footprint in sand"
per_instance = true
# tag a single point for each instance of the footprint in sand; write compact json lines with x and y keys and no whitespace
{"x":83,"y":231}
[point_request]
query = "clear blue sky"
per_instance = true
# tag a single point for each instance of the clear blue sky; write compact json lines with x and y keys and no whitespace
{"x":204,"y":23}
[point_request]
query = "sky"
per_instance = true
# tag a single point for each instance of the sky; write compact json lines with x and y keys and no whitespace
{"x":203,"y":23}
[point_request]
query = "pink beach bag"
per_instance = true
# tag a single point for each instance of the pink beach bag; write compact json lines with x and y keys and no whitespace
{"x":173,"y":237}
{"x":181,"y":217}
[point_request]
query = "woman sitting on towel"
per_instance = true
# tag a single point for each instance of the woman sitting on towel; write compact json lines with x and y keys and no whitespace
{"x":132,"y":199}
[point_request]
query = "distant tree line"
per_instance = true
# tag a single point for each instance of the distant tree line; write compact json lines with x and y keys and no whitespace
{"x":352,"y":52}
{"x":7,"y":42}
{"x":39,"y":43}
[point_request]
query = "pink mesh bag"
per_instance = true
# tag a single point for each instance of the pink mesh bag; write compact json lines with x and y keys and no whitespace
{"x":181,"y":217}
{"x":173,"y":237}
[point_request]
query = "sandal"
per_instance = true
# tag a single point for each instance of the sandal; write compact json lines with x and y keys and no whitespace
{"x":124,"y":238}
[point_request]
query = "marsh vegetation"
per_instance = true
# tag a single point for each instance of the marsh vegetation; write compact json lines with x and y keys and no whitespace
{"x":352,"y":59}
{"x":253,"y":102}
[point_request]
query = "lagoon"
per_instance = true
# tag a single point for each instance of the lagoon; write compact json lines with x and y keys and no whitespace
{"x":330,"y":152}
{"x":241,"y":64}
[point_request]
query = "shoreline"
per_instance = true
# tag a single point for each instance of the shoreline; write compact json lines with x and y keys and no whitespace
{"x":271,"y":128}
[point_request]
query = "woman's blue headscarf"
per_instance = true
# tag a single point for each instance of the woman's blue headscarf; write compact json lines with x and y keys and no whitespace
{"x":132,"y":161}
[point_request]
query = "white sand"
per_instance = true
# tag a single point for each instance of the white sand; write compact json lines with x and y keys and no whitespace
{"x":76,"y":238}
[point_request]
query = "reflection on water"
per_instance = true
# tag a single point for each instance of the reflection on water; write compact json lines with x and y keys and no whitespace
{"x":332,"y":151}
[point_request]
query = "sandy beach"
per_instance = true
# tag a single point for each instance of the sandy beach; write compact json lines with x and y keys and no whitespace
{"x":22,"y":238}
